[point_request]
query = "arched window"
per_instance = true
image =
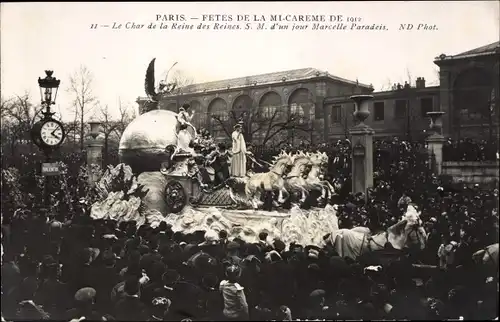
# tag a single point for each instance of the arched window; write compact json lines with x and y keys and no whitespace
{"x":218,"y":113}
{"x":269,"y":105}
{"x":474,"y":96}
{"x":199,"y":118}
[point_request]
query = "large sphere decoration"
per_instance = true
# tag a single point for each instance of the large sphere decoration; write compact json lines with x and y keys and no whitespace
{"x":142,"y":145}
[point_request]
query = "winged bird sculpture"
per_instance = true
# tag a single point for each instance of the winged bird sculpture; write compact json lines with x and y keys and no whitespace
{"x":149,"y":87}
{"x":151,"y":91}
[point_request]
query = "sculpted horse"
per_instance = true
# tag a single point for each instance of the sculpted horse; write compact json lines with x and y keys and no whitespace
{"x":296,"y":179}
{"x":315,"y":179}
{"x":488,"y":257}
{"x":355,"y":242}
{"x":260,"y":183}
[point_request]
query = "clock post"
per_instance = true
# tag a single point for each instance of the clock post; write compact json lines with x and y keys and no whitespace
{"x":48,"y":133}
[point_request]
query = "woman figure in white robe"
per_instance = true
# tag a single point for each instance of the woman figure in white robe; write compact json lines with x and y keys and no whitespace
{"x":239,"y":150}
{"x":184,"y":137}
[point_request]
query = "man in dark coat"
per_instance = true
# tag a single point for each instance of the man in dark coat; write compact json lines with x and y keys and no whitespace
{"x":104,"y":278}
{"x":130,"y":307}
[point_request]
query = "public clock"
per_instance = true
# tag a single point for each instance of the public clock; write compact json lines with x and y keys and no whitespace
{"x":48,"y":133}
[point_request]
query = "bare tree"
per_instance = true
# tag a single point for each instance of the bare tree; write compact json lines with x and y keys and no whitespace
{"x":409,"y":77}
{"x":177,"y":81}
{"x":274,"y":123}
{"x":387,"y":86}
{"x":436,"y":80}
{"x":18,"y":115}
{"x":181,"y":78}
{"x":113,"y":127}
{"x":84,"y":99}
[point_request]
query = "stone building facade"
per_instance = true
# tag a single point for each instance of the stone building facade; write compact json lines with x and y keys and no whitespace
{"x":469,"y":92}
{"x":399,"y":112}
{"x":276,"y":107}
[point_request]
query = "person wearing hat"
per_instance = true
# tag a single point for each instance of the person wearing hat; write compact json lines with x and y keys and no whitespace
{"x":130,"y":307}
{"x":160,"y":309}
{"x":49,"y":290}
{"x":317,"y":308}
{"x":84,"y":305}
{"x":312,"y":252}
{"x":239,"y":150}
{"x":235,"y":302}
{"x":446,"y":254}
{"x":233,"y":253}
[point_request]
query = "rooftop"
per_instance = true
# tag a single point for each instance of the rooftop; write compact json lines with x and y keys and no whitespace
{"x":269,"y":78}
{"x":480,"y":51}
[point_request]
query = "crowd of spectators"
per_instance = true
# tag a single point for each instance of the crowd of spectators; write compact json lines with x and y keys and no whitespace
{"x":470,"y":150}
{"x":66,"y":266}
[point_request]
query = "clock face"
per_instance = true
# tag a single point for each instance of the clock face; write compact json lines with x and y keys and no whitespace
{"x":51,"y":133}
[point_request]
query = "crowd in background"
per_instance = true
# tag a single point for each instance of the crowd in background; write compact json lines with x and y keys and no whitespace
{"x":470,"y":150}
{"x":63,"y":266}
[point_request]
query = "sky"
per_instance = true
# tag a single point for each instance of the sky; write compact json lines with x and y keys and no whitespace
{"x":58,"y":36}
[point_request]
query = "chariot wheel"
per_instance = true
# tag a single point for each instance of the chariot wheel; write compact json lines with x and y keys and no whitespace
{"x":175,"y":197}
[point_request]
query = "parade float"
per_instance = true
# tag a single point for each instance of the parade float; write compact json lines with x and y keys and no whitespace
{"x":158,"y":180}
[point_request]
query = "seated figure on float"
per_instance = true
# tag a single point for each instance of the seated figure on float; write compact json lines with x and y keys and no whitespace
{"x":186,"y":132}
{"x":183,"y":150}
{"x":217,"y":164}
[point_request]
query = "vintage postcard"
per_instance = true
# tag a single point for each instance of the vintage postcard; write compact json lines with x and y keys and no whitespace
{"x":203,"y":161}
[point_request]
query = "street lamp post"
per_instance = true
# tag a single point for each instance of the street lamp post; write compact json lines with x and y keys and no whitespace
{"x":48,"y":133}
{"x":94,"y":150}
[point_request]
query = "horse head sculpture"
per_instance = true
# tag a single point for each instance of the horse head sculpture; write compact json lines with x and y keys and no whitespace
{"x":319,"y":164}
{"x":282,"y":164}
{"x":301,"y":166}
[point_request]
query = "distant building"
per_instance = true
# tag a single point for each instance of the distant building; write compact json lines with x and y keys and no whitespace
{"x":399,"y":112}
{"x":469,"y":92}
{"x":266,"y":101}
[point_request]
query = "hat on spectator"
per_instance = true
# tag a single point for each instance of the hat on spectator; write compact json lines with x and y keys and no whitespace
{"x":143,"y":249}
{"x":85,"y":294}
{"x":285,"y":314}
{"x":318,"y":293}
{"x":131,"y":286}
{"x":190,"y":249}
{"x":90,"y":254}
{"x":162,"y":302}
{"x":296,"y":247}
{"x":108,"y":257}
{"x":251,"y":260}
{"x":279,"y":245}
{"x":48,"y":261}
{"x":171,"y":276}
{"x":211,"y":237}
{"x":55,"y":224}
{"x":210,"y":281}
{"x":312,"y":251}
{"x":233,"y":271}
{"x":313,"y":268}
{"x":273,"y":256}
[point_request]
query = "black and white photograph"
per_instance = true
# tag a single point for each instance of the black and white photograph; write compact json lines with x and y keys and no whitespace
{"x":249,"y":161}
